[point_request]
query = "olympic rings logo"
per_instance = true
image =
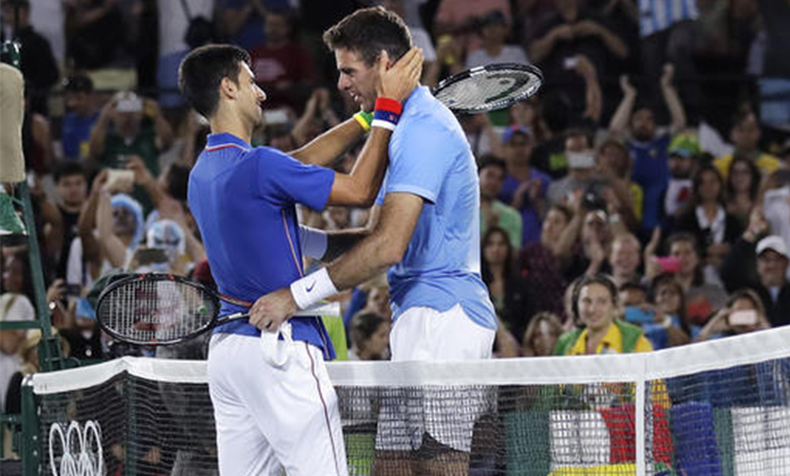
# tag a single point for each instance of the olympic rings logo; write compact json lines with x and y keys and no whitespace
{"x":80,"y":447}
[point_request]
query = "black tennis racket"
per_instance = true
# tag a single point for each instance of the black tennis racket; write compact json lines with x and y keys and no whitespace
{"x":162,"y":309}
{"x":487,"y":88}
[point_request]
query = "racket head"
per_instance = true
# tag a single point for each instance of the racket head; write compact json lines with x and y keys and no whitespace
{"x":156,"y":309}
{"x":488,"y":88}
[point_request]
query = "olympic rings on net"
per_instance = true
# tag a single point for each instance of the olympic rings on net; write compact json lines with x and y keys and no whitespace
{"x":81,"y":447}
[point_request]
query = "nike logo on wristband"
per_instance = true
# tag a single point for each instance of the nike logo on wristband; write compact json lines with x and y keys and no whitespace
{"x":310,"y":288}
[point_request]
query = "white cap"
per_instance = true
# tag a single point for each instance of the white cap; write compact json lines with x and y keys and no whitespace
{"x":774,"y":243}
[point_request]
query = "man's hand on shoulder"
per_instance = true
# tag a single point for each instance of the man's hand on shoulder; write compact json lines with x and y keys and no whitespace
{"x":271,"y":310}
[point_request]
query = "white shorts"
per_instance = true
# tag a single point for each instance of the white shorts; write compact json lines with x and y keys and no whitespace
{"x":270,"y":417}
{"x":446,"y":414}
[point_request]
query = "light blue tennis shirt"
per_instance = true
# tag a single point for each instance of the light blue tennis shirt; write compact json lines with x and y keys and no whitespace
{"x":430,"y":157}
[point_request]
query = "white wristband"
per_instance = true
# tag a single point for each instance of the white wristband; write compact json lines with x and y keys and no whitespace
{"x":383,"y":124}
{"x":313,"y":240}
{"x":313,"y":288}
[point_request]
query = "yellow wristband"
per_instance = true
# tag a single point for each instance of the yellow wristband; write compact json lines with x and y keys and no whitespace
{"x":363,"y":121}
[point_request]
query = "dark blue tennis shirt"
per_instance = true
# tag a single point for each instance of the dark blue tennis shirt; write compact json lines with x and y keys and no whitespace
{"x":243,"y":200}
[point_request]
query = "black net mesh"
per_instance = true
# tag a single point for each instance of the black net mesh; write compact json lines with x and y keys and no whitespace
{"x":730,"y":421}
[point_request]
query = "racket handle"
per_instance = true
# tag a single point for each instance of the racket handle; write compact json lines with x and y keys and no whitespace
{"x":323,"y":309}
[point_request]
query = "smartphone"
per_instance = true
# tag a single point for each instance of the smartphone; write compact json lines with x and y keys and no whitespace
{"x":668,"y":264}
{"x":150,"y":256}
{"x":570,"y":63}
{"x":638,"y":316}
{"x":580,"y":160}
{"x":274,"y":117}
{"x":747,"y":317}
{"x":84,"y":309}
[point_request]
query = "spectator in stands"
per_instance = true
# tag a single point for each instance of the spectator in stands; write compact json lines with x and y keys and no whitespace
{"x":79,"y":118}
{"x":15,"y":305}
{"x":708,"y":220}
{"x":745,"y":136}
{"x":506,"y":288}
{"x":669,"y":299}
{"x":72,"y":185}
{"x":625,"y":259}
{"x":461,"y":19}
{"x":529,"y":113}
{"x":581,"y":165}
{"x":37,"y":143}
{"x":244,"y":22}
{"x":525,"y":187}
{"x":744,"y":313}
{"x":648,"y":145}
{"x":743,"y":183}
{"x":38,"y":64}
{"x":491,"y":173}
{"x":481,"y":135}
{"x":283,"y":67}
{"x":574,"y":31}
{"x":624,"y":198}
{"x":668,"y":29}
{"x":702,"y":296}
{"x":683,"y":154}
{"x":775,"y":78}
{"x":130,"y":126}
{"x":370,"y":337}
{"x":541,"y":263}
{"x":762,"y":268}
{"x":541,"y":336}
{"x":494,"y":32}
{"x":28,"y":353}
{"x":95,"y":33}
{"x":595,"y":302}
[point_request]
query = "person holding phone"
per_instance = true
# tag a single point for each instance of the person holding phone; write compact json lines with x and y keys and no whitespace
{"x":743,"y":313}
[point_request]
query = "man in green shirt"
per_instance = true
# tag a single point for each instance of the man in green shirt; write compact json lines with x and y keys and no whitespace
{"x":491,"y":173}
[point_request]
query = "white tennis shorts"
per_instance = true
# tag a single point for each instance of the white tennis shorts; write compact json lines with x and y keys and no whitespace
{"x":273,"y":415}
{"x":446,"y":414}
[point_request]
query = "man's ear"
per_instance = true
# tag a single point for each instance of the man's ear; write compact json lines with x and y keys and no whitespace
{"x":228,"y":88}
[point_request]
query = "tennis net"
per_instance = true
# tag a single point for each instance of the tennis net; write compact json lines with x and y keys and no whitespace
{"x":718,"y":408}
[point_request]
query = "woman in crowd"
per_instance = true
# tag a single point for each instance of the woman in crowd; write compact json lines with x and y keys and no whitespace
{"x":505,"y":286}
{"x":541,"y":335}
{"x":708,"y":219}
{"x":743,"y":313}
{"x":595,"y":303}
{"x":743,"y":183}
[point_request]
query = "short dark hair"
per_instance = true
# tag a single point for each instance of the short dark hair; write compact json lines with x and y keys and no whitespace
{"x":67,"y":169}
{"x":491,"y":160}
{"x":367,"y":31}
{"x":201,"y":73}
{"x":177,"y":180}
{"x":78,"y":83}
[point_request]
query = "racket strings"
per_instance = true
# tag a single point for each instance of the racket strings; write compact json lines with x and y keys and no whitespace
{"x":489,"y":90}
{"x":156,"y":311}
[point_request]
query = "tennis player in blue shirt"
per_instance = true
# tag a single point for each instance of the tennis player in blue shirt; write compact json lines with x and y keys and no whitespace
{"x":274,"y":405}
{"x":427,"y":234}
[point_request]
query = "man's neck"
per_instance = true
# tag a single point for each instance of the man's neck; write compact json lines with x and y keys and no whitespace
{"x":519,"y":170}
{"x":225,"y":122}
{"x":494,"y":49}
{"x":71,"y":208}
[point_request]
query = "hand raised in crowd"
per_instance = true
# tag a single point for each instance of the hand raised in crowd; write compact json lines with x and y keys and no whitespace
{"x":583,"y":66}
{"x":398,"y":81}
{"x":626,"y":86}
{"x":758,"y":225}
{"x":586,"y":28}
{"x":563,"y":32}
{"x":99,"y":181}
{"x":666,"y":76}
{"x":652,"y":268}
{"x":142,"y":175}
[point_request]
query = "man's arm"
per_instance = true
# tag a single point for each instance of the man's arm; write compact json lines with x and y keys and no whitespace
{"x":674,"y":105}
{"x":326,"y":148}
{"x":619,"y":123}
{"x":99,"y":131}
{"x":384,"y":247}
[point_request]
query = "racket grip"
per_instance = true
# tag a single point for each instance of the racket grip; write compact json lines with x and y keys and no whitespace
{"x":323,"y":309}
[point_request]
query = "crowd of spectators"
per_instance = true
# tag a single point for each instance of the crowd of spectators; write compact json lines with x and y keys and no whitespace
{"x":656,"y":154}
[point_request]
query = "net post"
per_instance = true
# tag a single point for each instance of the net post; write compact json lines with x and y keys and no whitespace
{"x":639,"y":409}
{"x":30,"y":445}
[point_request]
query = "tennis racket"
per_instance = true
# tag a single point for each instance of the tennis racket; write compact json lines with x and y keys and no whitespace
{"x":487,"y":88}
{"x":162,"y":309}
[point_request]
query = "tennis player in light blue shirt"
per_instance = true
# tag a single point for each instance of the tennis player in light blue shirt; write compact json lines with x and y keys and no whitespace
{"x":425,"y":233}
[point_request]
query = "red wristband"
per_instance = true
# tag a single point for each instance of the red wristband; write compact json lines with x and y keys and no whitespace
{"x":389,"y":105}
